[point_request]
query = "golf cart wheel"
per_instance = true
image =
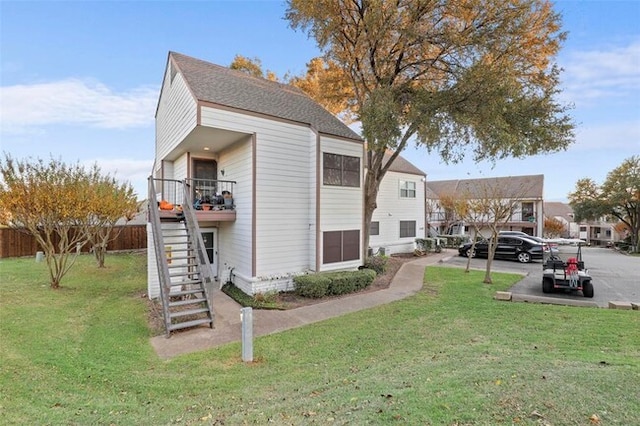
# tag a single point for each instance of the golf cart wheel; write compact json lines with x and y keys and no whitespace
{"x":524,"y":257}
{"x":587,"y":289}
{"x":547,"y":285}
{"x":471,"y":253}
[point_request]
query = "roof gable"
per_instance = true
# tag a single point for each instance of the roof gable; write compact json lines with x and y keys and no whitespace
{"x":402,"y":165}
{"x":223,"y":86}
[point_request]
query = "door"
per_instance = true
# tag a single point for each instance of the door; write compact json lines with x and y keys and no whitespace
{"x":209,"y":236}
{"x":205,"y":173}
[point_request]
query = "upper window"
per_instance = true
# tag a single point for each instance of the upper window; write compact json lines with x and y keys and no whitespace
{"x":341,"y":170}
{"x":407,"y":189}
{"x":527,"y":211}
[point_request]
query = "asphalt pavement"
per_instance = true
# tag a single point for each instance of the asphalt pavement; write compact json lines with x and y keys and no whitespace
{"x":615,"y":276}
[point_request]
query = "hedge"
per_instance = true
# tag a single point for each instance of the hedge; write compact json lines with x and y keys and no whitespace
{"x":333,"y":283}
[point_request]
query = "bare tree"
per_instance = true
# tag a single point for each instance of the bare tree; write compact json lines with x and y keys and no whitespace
{"x":490,"y":204}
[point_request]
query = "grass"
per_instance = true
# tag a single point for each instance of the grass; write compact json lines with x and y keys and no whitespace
{"x":450,"y":355}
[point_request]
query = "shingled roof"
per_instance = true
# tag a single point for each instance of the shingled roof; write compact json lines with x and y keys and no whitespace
{"x":223,"y":86}
{"x":529,"y":186}
{"x":402,"y":165}
{"x":557,"y":209}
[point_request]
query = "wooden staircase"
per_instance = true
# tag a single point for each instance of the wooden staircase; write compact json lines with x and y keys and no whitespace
{"x":184,"y":271}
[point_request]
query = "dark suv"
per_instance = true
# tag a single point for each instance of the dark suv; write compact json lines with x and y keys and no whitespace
{"x":512,"y":247}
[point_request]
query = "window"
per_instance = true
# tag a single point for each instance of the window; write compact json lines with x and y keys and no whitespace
{"x":341,"y":170}
{"x":407,"y":189}
{"x":407,"y":228}
{"x":340,"y":246}
{"x":375,"y":228}
{"x":527,"y":212}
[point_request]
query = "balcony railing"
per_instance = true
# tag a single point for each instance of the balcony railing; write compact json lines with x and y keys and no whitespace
{"x":212,"y":200}
{"x":210,"y":194}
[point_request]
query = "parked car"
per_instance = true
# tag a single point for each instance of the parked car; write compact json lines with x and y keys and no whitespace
{"x":552,"y":247}
{"x":512,"y":247}
{"x":520,"y":233}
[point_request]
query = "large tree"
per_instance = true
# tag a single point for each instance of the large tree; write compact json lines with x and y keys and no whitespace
{"x":457,"y":77}
{"x":617,"y":197}
{"x":56,"y":203}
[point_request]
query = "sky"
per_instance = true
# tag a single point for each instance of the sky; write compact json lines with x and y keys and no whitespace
{"x":79,"y":81}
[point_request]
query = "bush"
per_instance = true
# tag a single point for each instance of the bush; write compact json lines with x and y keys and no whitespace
{"x":345,"y":282}
{"x":453,"y":241}
{"x":376,"y":263}
{"x":333,"y":283}
{"x":314,"y":286}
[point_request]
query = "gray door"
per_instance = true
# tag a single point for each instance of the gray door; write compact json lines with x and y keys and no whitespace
{"x":209,"y":238}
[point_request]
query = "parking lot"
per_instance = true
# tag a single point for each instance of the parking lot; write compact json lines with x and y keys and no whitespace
{"x":615,"y":276}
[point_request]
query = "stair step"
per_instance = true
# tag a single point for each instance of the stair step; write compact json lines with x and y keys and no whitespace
{"x":187,"y":302}
{"x":186,"y":292}
{"x":188,"y":324}
{"x":188,"y":312}
{"x":180,"y":250}
{"x":186,"y":282}
{"x":182,"y":274}
{"x":193,"y":256}
{"x":181,"y":265}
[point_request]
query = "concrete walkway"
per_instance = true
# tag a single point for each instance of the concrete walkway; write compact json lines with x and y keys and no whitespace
{"x":227,"y":322}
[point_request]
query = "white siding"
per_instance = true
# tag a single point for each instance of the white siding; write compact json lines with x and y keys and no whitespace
{"x":177,"y":114}
{"x":234,"y":238}
{"x":283,"y":200}
{"x":282,"y":189}
{"x":313,"y":182}
{"x":180,"y":168}
{"x":153,"y":280}
{"x":341,"y":207}
{"x":392,"y":209}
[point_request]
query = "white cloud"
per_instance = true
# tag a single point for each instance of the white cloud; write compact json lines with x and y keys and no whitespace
{"x":75,"y":102}
{"x":620,"y":135}
{"x":596,"y":74}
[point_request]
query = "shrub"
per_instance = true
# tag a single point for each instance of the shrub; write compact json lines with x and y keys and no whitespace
{"x":376,"y":263}
{"x":425,"y":244}
{"x":345,"y":282}
{"x":333,"y":283}
{"x":314,"y":286}
{"x":451,"y":241}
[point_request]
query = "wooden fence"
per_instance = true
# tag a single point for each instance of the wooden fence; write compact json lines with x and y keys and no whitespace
{"x":17,"y":243}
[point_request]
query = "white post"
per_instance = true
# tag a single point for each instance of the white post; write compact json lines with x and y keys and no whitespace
{"x":246,"y":317}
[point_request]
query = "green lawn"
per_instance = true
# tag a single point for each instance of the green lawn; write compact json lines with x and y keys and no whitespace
{"x":450,"y":355}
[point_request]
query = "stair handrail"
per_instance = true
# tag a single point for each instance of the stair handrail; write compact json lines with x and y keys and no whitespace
{"x":161,"y":259}
{"x":202,"y":259}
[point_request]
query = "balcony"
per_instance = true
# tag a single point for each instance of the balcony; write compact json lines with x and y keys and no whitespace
{"x":212,"y":200}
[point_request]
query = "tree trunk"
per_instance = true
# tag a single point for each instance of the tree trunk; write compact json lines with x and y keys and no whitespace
{"x":492,"y":252}
{"x":99,"y":251}
{"x":371,"y":187}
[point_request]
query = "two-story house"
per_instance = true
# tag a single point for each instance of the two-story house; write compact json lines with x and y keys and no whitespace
{"x":527,"y":191}
{"x":255,"y":183}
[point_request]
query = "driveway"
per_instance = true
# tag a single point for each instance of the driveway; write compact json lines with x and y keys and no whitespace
{"x":616,"y":277}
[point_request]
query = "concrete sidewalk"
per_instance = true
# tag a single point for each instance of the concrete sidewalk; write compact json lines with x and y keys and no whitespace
{"x":227,"y":322}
